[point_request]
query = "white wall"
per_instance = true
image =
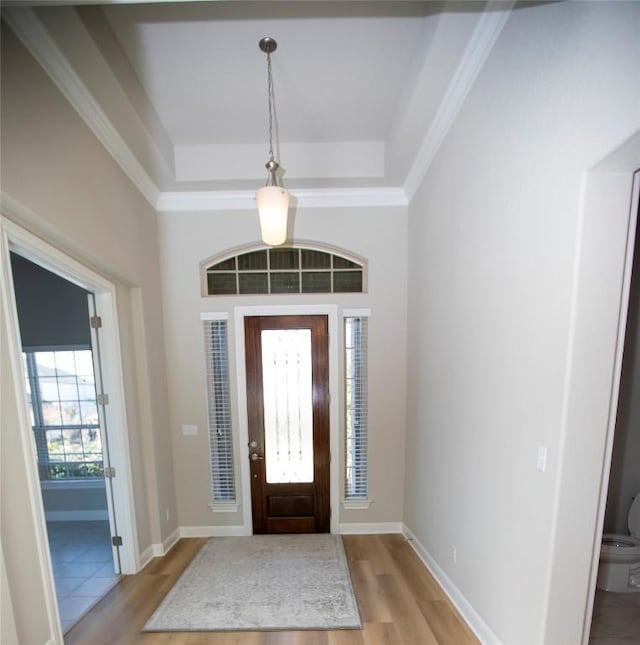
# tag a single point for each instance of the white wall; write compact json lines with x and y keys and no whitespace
{"x":377,"y":234}
{"x":493,"y":236}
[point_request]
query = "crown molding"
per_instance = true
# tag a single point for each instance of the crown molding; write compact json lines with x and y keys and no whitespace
{"x":35,"y":37}
{"x":473,"y":58}
{"x":31,"y":31}
{"x":224,"y":200}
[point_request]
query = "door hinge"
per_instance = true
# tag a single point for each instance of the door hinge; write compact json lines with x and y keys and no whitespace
{"x":95,"y":322}
{"x":116,"y":540}
{"x":103,"y":399}
{"x":109,"y":472}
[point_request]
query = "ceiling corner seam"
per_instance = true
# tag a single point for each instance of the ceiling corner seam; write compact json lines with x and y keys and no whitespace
{"x":473,"y":58}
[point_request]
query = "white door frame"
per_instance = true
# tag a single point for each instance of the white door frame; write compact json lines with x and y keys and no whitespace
{"x":615,"y":392}
{"x":15,"y":238}
{"x":331,"y":311}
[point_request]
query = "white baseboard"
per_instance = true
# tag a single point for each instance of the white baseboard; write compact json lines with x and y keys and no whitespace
{"x":212,"y":531}
{"x":158,"y":550}
{"x":76,"y":516}
{"x":467,"y":612}
{"x":364,"y":528}
{"x":146,"y":556}
{"x":169,"y":542}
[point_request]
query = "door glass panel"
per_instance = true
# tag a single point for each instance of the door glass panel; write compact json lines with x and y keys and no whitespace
{"x":288,"y":409}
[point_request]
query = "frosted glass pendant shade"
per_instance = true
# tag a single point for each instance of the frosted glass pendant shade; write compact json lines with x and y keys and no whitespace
{"x":273,"y":204}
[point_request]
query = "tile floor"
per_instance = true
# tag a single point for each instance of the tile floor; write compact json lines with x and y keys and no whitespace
{"x":616,"y":618}
{"x":82,"y":566}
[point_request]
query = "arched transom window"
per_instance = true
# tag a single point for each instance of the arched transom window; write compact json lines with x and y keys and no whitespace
{"x":283,"y":270}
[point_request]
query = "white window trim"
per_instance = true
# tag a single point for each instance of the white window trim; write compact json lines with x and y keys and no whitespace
{"x":224,"y":507}
{"x":331,"y":311}
{"x":68,"y":484}
{"x":356,"y":503}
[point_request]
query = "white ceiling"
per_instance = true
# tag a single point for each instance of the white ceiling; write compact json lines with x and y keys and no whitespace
{"x":178,"y":91}
{"x":337,"y":76}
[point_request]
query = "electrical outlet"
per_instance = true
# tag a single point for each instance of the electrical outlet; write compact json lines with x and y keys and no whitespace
{"x":454,"y":554}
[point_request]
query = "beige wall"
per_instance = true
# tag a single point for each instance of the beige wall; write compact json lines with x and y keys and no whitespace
{"x":70,"y":192}
{"x":378,"y":234}
{"x":493,"y":235}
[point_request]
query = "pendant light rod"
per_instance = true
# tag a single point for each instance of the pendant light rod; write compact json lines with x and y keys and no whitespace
{"x":272,"y":199}
{"x":268,"y":45}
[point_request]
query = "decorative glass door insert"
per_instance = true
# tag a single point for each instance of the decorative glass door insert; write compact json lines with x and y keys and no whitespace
{"x":288,"y":405}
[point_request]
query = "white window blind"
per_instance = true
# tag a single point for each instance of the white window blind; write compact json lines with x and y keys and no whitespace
{"x":356,"y":399}
{"x":223,"y":488}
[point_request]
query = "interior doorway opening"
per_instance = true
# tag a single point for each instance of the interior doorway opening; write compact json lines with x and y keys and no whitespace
{"x":60,"y":359}
{"x":112,"y":416}
{"x":613,"y":610}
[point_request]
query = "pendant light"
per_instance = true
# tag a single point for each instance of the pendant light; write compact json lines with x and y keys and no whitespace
{"x":272,"y":199}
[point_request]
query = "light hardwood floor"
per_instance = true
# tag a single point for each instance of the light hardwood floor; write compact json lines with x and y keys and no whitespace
{"x":400,"y":604}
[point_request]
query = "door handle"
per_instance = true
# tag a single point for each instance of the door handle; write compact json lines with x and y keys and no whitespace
{"x":254,"y":456}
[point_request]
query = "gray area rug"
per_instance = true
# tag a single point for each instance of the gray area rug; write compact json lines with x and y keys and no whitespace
{"x":268,"y":582}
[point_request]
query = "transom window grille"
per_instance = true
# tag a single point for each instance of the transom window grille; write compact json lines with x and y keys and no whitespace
{"x":223,"y":488}
{"x":356,"y":422}
{"x":284,"y":270}
{"x":64,"y":414}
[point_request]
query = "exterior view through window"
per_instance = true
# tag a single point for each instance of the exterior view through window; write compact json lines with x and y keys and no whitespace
{"x":64,"y":414}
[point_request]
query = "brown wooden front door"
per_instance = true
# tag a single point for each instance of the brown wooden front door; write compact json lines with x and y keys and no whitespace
{"x":288,"y":412}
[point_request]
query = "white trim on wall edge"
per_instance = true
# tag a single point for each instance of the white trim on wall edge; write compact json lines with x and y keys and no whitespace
{"x":225,"y":200}
{"x":28,"y":27}
{"x":170,"y":541}
{"x":77,"y":516}
{"x":369,"y":528}
{"x":147,"y":555}
{"x":484,"y":37}
{"x":9,"y":312}
{"x":212,"y":531}
{"x":466,"y":611}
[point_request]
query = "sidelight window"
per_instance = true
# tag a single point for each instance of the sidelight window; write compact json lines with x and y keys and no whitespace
{"x":223,"y":490}
{"x":356,"y":417}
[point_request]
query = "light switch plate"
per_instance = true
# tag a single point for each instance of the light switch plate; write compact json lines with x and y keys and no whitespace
{"x":189,"y":430}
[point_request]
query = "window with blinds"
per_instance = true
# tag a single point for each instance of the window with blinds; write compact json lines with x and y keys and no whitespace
{"x":223,"y":488}
{"x":356,"y":426}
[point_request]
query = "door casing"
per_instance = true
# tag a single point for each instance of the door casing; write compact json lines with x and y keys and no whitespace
{"x":331,"y":311}
{"x":37,"y":250}
{"x":314,"y":492}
